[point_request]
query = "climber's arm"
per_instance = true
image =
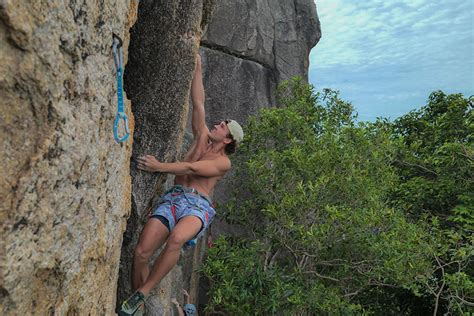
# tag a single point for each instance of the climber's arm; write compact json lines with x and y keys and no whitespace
{"x":197,"y":94}
{"x":204,"y":168}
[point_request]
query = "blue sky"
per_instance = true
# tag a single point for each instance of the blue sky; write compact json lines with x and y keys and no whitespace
{"x":387,"y":56}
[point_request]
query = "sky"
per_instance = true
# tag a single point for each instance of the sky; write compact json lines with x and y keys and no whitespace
{"x":387,"y":56}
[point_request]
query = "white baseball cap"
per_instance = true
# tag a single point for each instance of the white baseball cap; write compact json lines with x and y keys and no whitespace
{"x":235,"y":130}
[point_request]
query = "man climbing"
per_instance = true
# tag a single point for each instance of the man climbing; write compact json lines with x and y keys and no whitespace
{"x":185,"y":211}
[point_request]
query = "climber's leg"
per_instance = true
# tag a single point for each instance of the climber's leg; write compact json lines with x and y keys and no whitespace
{"x":186,"y":229}
{"x":153,"y":236}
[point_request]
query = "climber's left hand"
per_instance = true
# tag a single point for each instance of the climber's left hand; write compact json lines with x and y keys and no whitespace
{"x":148,"y":163}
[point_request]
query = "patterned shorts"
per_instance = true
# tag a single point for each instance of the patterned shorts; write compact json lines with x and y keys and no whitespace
{"x":179,"y":202}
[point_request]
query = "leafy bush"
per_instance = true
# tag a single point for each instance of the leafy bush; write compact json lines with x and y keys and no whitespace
{"x":318,"y":193}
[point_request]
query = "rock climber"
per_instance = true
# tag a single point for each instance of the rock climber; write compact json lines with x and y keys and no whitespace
{"x":185,"y":211}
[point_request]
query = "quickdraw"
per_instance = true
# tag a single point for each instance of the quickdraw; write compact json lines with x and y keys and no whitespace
{"x":118,"y":59}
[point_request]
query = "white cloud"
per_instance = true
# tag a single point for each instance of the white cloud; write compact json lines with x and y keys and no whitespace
{"x":374,"y":31}
{"x":388,"y":55}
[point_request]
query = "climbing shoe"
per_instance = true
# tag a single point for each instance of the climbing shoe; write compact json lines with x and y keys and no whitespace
{"x":133,"y":305}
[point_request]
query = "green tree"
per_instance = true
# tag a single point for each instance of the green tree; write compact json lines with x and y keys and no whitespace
{"x":313,"y":194}
{"x":435,"y":156}
{"x":434,"y":161}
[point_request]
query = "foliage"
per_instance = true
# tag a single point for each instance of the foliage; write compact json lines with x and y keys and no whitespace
{"x":435,"y":158}
{"x":320,"y":197}
{"x":249,"y":285}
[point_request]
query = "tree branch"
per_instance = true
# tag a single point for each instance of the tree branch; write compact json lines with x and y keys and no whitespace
{"x":416,"y":165}
{"x":350,"y":295}
{"x":463,"y":300}
{"x":441,"y":288}
{"x":321,"y":276}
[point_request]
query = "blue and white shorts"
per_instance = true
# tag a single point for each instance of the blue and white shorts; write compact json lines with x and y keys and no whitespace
{"x":179,"y":202}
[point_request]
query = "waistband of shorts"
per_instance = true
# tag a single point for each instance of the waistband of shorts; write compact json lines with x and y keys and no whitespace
{"x":183,"y":189}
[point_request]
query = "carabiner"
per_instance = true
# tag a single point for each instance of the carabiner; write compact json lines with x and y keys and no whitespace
{"x":118,"y":60}
{"x":118,"y":117}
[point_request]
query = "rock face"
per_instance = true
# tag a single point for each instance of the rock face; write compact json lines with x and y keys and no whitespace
{"x":250,"y":47}
{"x":276,"y":34}
{"x":65,"y":188}
{"x":163,"y":46}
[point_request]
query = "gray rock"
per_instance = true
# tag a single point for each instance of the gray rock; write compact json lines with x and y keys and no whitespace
{"x":235,"y":88}
{"x":250,"y":47}
{"x":276,"y":34}
{"x":163,"y":46}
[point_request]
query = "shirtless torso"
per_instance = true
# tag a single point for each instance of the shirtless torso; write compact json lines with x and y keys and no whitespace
{"x":199,"y":151}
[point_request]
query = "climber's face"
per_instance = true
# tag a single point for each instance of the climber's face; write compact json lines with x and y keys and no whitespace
{"x":220,"y":132}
